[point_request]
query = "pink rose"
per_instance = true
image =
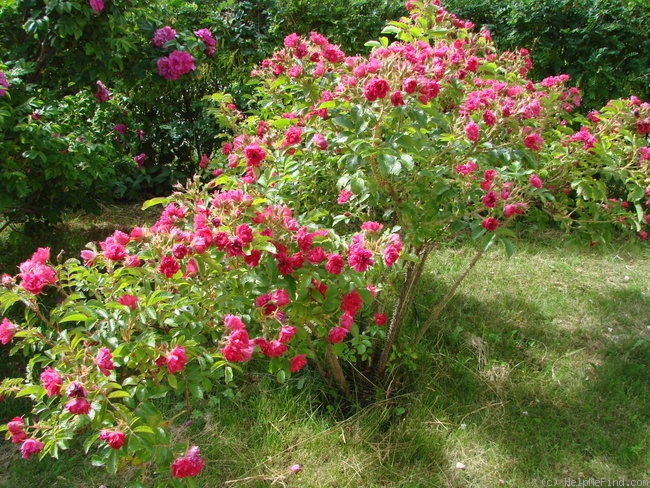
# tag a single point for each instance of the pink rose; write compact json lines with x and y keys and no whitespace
{"x":380,"y":319}
{"x":535,"y":181}
{"x":51,"y":381}
{"x":189,"y":465}
{"x":334,"y":264}
{"x":176,"y":359}
{"x":30,"y":447}
{"x":336,"y":335}
{"x":114,"y":438}
{"x":375,"y":88}
{"x":97,"y":5}
{"x":104,"y":361}
{"x":297,"y":362}
{"x":101,"y":95}
{"x":490,"y":224}
{"x":78,"y":406}
{"x":168,"y":266}
{"x":472,"y":131}
{"x":7,"y":331}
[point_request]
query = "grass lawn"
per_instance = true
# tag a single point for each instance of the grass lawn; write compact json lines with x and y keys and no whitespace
{"x":538,"y":369}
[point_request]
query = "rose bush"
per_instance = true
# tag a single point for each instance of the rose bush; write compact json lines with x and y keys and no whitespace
{"x":225,"y":276}
{"x":440,"y":134}
{"x":434,"y":135}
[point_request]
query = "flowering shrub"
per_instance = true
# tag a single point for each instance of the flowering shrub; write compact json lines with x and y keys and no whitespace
{"x":438,"y":133}
{"x":225,"y":276}
{"x":434,"y":135}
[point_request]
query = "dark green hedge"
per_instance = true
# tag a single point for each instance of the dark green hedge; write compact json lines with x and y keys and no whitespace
{"x":602,"y":44}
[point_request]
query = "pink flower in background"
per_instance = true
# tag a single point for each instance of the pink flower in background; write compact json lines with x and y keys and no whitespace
{"x":175,"y":65}
{"x":396,"y":99}
{"x":51,"y":381}
{"x":286,"y":333}
{"x":585,"y":136}
{"x":114,"y":438}
{"x":206,"y":38}
{"x":318,"y":39}
{"x":16,"y":428}
{"x":162,"y":35}
{"x":490,"y":199}
{"x":75,"y":390}
{"x":7,"y":331}
{"x":370,"y":226}
{"x":204,"y":161}
{"x":239,"y":348}
{"x":513,"y":209}
{"x":30,"y":447}
{"x":139,"y":159}
{"x":254,"y":155}
{"x":467,"y":168}
{"x":128,"y":301}
{"x":535,"y":181}
{"x":392,"y":251}
{"x":359,"y":258}
{"x":471,"y":131}
{"x":292,"y":136}
{"x":176,"y":359}
{"x":35,"y":274}
{"x":271,"y":349}
{"x":336,"y":335}
{"x":375,"y":88}
{"x":233,"y":322}
{"x":351,"y":302}
{"x":644,"y":152}
{"x":379,"y":319}
{"x":101,"y":95}
{"x":119,"y":128}
{"x":297,"y":362}
{"x":533,"y":142}
{"x":344,"y":196}
{"x":104,"y":361}
{"x":189,"y":465}
{"x":97,"y":5}
{"x":3,"y":84}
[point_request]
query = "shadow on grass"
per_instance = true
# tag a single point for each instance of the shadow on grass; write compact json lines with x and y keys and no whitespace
{"x":551,"y":395}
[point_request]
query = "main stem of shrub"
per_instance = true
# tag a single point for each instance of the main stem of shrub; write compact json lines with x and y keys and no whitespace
{"x":400,"y":312}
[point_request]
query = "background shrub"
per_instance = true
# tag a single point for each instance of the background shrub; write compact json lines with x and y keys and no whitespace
{"x":603,"y":44}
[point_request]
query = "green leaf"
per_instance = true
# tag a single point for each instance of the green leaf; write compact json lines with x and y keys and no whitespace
{"x":344,"y":122}
{"x":154,"y":201}
{"x":75,"y":317}
{"x":143,"y":429}
{"x":36,"y":390}
{"x":113,"y":461}
{"x":119,"y":394}
{"x":508,"y":246}
{"x":281,"y":376}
